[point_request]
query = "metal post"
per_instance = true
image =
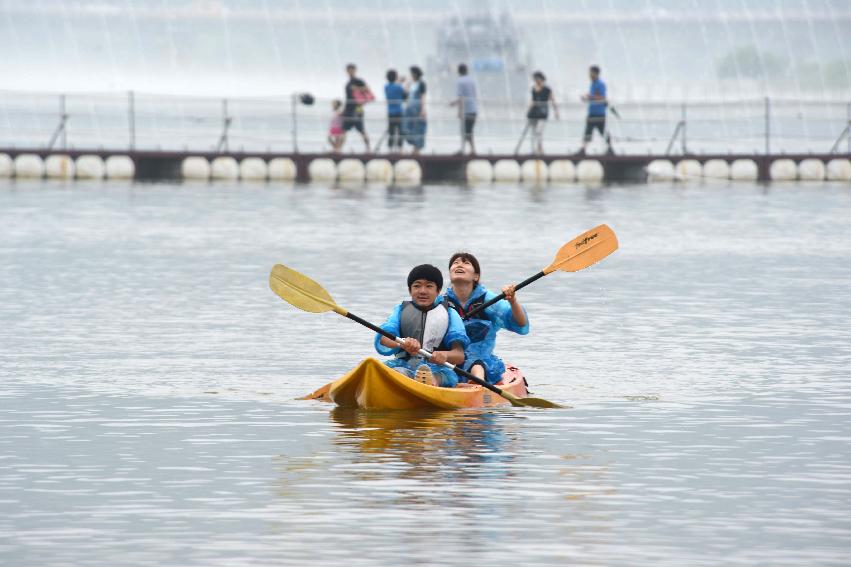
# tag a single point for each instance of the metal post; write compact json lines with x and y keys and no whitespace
{"x":684,"y":130}
{"x":462,"y":116}
{"x":226,"y":120}
{"x":64,"y":121}
{"x":131,"y":118}
{"x":294,"y":112}
{"x":767,"y":126}
{"x":60,"y":128}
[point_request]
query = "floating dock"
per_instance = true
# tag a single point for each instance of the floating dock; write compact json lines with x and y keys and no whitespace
{"x":172,"y":165}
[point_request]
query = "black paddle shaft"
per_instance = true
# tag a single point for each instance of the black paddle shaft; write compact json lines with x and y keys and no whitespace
{"x":501,"y":296}
{"x":460,"y":371}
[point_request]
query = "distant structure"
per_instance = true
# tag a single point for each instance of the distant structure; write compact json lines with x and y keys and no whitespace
{"x":492,"y":49}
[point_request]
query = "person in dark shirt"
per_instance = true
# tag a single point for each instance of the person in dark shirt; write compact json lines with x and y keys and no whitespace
{"x":357,"y":94}
{"x":597,"y":105}
{"x":395,"y":95}
{"x":542,"y":97}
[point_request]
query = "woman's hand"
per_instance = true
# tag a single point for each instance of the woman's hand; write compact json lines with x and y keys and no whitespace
{"x":509,"y":292}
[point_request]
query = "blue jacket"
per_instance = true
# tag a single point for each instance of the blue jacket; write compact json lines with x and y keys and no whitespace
{"x":482,"y":332}
{"x":454,"y":334}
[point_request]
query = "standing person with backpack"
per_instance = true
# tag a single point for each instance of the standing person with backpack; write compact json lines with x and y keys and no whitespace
{"x":414,"y":123}
{"x":357,"y":94}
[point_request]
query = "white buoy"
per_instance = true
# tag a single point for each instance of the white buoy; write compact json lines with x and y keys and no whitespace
{"x":534,"y":171}
{"x":282,"y":169}
{"x":253,"y":169}
{"x":660,"y":170}
{"x":195,"y":167}
{"x":811,"y":169}
{"x":29,"y":166}
{"x":59,"y":166}
{"x":120,"y":167}
{"x":689,"y":170}
{"x":716,"y":169}
{"x":7,"y":166}
{"x":744,"y":170}
{"x":506,"y":170}
{"x":479,"y":171}
{"x":379,"y":170}
{"x":407,"y":171}
{"x":590,"y":171}
{"x":351,"y":170}
{"x":90,"y":167}
{"x":837,"y":170}
{"x":783,"y":170}
{"x":225,"y":168}
{"x":562,"y":170}
{"x":322,"y":169}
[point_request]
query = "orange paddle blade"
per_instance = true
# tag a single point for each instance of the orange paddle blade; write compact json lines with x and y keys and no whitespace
{"x":585,"y":250}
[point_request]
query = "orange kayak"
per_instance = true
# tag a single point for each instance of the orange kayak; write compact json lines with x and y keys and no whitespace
{"x":372,"y":385}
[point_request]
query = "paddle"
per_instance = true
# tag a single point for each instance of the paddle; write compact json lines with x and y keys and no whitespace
{"x":585,"y":250}
{"x":302,"y":292}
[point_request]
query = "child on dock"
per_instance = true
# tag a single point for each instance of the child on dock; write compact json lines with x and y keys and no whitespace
{"x":465,"y":294}
{"x":425,"y":322}
{"x":336,"y":134}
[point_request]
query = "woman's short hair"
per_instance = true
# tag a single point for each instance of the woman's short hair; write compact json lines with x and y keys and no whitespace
{"x":416,"y":72}
{"x":466,"y":257}
{"x":537,"y":75}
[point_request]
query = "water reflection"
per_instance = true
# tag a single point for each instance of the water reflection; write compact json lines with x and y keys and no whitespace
{"x":429,"y":442}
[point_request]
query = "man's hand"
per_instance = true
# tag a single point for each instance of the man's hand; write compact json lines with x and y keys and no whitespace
{"x":438,"y":357}
{"x":411,"y":346}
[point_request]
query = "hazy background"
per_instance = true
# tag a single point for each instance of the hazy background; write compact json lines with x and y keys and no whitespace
{"x":649,"y":50}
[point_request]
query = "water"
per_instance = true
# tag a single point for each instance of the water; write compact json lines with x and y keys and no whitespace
{"x":148,"y":376}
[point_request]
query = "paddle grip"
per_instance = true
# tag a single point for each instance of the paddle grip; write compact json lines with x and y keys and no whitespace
{"x":501,"y":296}
{"x":428,"y":355}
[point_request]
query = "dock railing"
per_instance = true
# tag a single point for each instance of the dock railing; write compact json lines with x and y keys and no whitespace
{"x":284,"y":124}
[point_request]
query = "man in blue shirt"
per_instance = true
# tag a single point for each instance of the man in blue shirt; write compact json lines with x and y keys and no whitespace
{"x":597,"y":104}
{"x":394,"y":93}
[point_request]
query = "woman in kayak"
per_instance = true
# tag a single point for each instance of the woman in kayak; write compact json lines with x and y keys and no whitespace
{"x":426,"y":323}
{"x":465,"y":294}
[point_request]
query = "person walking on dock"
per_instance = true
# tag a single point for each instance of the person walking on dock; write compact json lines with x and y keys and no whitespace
{"x":597,"y":105}
{"x":394,"y":93}
{"x":357,"y":94}
{"x":467,"y":105}
{"x":539,"y":109}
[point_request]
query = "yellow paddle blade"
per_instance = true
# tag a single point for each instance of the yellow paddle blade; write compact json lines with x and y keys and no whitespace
{"x":585,"y":250}
{"x":299,"y":290}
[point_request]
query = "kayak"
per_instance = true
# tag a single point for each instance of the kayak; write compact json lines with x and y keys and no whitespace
{"x":372,"y":385}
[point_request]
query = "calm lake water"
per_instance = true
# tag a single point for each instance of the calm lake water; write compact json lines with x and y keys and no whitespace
{"x":148,"y":377}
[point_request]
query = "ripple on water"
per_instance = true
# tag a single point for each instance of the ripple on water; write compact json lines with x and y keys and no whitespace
{"x":147,"y":412}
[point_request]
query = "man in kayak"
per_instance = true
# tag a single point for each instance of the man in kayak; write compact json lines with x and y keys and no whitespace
{"x":465,"y":294}
{"x":426,"y":323}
